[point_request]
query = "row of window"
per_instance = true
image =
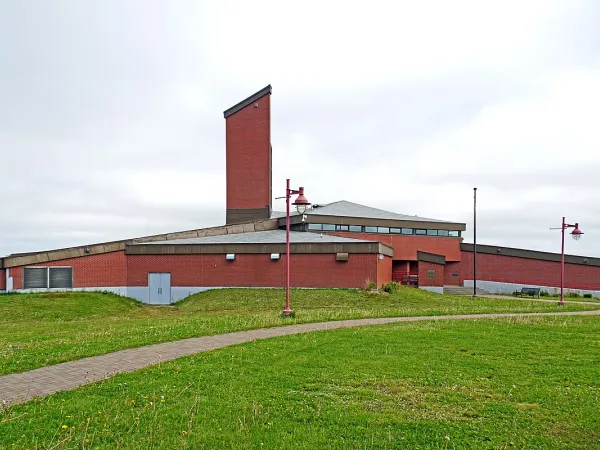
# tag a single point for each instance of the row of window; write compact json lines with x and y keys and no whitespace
{"x":382,"y":230}
{"x":47,"y":277}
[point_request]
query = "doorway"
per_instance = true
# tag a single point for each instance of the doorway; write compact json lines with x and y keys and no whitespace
{"x":159,"y":286}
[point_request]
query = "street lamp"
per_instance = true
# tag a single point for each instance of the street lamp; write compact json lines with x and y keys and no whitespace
{"x":576,"y":234}
{"x":301,"y":204}
{"x":474,"y":242}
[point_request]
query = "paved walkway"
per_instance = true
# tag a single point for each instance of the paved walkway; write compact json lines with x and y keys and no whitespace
{"x":543,"y":300}
{"x":21,"y":387}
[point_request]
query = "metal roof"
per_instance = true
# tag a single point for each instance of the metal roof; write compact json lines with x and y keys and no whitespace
{"x":345,"y":208}
{"x":279,"y":214}
{"x":260,"y":237}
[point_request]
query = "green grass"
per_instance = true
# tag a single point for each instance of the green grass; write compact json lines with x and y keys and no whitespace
{"x":42,"y":329}
{"x":512,"y":383}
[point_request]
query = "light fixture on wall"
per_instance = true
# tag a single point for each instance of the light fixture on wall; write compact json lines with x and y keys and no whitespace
{"x":230,"y":256}
{"x":342,"y":257}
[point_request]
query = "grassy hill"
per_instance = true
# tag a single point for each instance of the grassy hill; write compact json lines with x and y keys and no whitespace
{"x":42,"y":329}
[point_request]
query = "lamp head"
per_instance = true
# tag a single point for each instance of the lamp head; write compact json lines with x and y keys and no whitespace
{"x":576,"y":233}
{"x":301,"y":202}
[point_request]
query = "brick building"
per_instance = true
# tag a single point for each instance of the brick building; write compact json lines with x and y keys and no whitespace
{"x":339,"y":245}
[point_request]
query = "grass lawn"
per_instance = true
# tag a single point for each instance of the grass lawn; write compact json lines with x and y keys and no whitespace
{"x":41,"y":329}
{"x":511,"y":383}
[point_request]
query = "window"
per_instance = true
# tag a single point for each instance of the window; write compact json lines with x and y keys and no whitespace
{"x":432,"y":232}
{"x":356,"y":228}
{"x":407,"y":231}
{"x":421,"y":232}
{"x":315,"y":226}
{"x":61,"y":277}
{"x":442,"y":232}
{"x":395,"y":230}
{"x":48,"y":277}
{"x":35,"y":277}
{"x":341,"y":227}
{"x":328,"y":227}
{"x":371,"y":229}
{"x":383,"y":230}
{"x":453,"y":233}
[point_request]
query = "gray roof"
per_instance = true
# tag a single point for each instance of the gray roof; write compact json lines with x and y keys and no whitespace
{"x":279,"y":214}
{"x":345,"y":208}
{"x":260,"y":237}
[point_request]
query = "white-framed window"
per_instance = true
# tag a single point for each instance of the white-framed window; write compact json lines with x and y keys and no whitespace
{"x":47,"y":277}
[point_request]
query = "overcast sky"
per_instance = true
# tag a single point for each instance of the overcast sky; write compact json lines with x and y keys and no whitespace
{"x":111,"y":122}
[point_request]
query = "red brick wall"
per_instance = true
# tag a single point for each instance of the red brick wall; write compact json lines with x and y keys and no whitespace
{"x":406,"y":247}
{"x":384,"y":270}
{"x":439,"y":274}
{"x":529,"y":271}
{"x":16,"y":274}
{"x":248,"y":156}
{"x":2,"y":279}
{"x":254,"y":270}
{"x":449,"y":269}
{"x":105,"y":270}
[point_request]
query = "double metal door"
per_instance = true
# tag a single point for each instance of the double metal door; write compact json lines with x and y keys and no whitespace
{"x":159,"y":285}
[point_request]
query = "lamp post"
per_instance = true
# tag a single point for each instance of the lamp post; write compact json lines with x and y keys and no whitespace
{"x":474,"y":242}
{"x":576,"y":234}
{"x":301,"y":203}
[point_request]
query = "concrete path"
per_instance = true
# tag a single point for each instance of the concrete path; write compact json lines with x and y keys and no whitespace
{"x":21,"y":387}
{"x":543,"y":300}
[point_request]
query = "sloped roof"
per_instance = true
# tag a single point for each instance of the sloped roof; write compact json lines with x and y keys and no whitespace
{"x":344,"y":208}
{"x":261,"y":237}
{"x":247,"y":101}
{"x":279,"y":214}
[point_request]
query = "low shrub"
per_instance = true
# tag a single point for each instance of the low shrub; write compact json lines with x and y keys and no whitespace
{"x":544,"y":294}
{"x":573,"y":294}
{"x":588,"y":295}
{"x":391,"y":287}
{"x":370,"y":285}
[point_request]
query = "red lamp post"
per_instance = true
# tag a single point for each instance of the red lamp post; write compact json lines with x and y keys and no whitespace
{"x":576,"y":234}
{"x":301,"y":204}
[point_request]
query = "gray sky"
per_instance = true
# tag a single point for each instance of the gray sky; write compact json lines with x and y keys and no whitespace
{"x":111,"y":120}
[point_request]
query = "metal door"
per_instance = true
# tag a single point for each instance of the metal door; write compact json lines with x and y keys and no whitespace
{"x":159,"y":286}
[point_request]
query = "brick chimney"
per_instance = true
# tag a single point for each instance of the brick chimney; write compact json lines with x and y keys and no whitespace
{"x":248,"y":158}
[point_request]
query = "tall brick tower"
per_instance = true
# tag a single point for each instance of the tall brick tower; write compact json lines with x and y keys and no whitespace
{"x":248,"y":160}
